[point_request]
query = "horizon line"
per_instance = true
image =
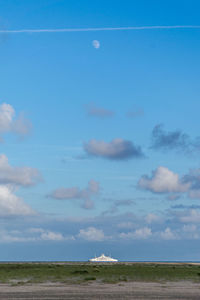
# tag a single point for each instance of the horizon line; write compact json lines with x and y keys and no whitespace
{"x":100,"y":29}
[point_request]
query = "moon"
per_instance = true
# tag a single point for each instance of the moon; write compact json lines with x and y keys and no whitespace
{"x":96,"y":44}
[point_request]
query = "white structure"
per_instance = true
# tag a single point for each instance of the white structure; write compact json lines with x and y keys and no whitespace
{"x":103,"y":258}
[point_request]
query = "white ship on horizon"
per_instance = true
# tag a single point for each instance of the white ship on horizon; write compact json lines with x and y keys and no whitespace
{"x":103,"y":258}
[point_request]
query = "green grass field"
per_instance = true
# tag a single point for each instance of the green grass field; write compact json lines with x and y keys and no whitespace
{"x":27,"y":273}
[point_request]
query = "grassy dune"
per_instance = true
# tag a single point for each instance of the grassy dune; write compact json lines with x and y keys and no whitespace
{"x":27,"y":273}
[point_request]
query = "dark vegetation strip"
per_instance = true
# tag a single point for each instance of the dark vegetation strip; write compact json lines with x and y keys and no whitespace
{"x":25,"y":273}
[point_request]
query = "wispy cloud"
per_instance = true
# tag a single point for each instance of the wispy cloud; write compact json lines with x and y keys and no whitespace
{"x":100,"y":112}
{"x":54,"y":30}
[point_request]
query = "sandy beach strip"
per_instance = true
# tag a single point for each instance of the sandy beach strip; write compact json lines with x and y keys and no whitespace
{"x":129,"y":290}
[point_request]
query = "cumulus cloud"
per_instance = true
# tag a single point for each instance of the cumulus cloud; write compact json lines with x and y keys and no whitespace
{"x":24,"y":176}
{"x":163,"y":181}
{"x":141,"y":233}
{"x":77,"y":193}
{"x":117,"y":149}
{"x":91,"y":234}
{"x":12,"y":205}
{"x":9,"y":123}
{"x":95,"y":111}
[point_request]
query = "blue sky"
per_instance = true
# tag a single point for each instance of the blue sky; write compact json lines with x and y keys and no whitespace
{"x":99,"y":130}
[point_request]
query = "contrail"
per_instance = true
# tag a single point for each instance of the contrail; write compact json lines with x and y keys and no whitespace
{"x":101,"y":29}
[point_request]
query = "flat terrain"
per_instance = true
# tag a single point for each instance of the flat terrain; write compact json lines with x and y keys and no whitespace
{"x":99,"y":281}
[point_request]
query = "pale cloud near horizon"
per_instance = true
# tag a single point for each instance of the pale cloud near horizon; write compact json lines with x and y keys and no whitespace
{"x":140,"y":233}
{"x":91,"y":234}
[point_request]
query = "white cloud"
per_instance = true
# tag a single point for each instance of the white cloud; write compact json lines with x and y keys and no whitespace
{"x":141,"y":233}
{"x":10,"y":204}
{"x":117,"y":149}
{"x":91,"y":234}
{"x":24,"y":176}
{"x":8,"y":123}
{"x":163,"y":181}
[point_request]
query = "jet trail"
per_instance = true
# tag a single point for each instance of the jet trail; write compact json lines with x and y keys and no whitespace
{"x":100,"y":29}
